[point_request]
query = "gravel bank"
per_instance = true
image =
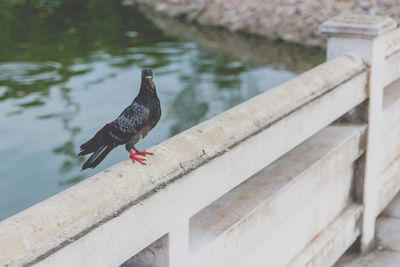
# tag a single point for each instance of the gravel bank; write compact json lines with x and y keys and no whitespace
{"x":290,"y":20}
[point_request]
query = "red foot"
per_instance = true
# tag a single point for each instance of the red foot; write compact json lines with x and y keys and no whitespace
{"x":134,"y":158}
{"x":142,"y":153}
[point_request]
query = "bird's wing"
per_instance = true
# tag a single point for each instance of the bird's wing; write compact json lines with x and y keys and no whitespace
{"x":131,"y":120}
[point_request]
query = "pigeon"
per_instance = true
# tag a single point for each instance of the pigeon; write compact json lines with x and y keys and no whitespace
{"x":134,"y":123}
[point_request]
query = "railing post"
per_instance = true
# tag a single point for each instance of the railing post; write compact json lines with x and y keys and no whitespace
{"x":364,"y":35}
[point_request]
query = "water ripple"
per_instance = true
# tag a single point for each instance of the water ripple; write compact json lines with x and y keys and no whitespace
{"x":29,"y":72}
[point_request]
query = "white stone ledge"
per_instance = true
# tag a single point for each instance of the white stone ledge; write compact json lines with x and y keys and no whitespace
{"x":330,"y":244}
{"x":287,"y":199}
{"x":392,"y":68}
{"x":111,"y":243}
{"x":392,"y":42}
{"x":391,"y":106}
{"x":40,"y":230}
{"x":390,"y":133}
{"x":389,"y":184}
{"x":358,"y":25}
{"x":389,"y":180}
{"x":242,"y":200}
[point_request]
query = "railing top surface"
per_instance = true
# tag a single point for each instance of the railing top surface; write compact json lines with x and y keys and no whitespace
{"x":365,"y":27}
{"x":362,"y":25}
{"x":63,"y":218}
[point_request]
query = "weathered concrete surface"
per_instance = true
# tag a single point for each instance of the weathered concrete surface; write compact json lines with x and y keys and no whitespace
{"x":390,"y":146}
{"x":287,"y":196}
{"x":169,"y":209}
{"x":392,"y":62}
{"x":155,"y":255}
{"x":327,"y":153}
{"x":387,"y":249}
{"x":366,"y":37}
{"x":290,"y":20}
{"x":60,"y":220}
{"x":393,"y":42}
{"x":326,"y":248}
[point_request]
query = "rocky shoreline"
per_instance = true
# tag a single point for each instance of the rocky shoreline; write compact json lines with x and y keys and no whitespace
{"x":290,"y":20}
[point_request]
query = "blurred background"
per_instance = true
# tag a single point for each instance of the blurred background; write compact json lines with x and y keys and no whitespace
{"x":67,"y":67}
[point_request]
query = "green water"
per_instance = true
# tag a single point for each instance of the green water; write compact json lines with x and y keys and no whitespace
{"x":69,"y":67}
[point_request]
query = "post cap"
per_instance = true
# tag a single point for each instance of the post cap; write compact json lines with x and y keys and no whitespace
{"x":358,"y":25}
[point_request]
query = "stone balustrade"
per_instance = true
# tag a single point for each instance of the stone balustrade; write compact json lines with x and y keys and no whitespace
{"x":291,"y":177}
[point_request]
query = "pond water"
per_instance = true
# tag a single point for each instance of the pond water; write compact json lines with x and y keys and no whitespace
{"x":69,"y":67}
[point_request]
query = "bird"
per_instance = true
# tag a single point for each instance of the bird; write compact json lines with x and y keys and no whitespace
{"x":132,"y":125}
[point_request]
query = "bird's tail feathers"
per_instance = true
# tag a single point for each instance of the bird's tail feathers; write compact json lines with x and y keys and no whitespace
{"x":97,"y":156}
{"x":93,"y":144}
{"x":87,"y":148}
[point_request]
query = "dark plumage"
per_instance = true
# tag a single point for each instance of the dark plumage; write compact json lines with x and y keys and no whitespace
{"x":130,"y":127}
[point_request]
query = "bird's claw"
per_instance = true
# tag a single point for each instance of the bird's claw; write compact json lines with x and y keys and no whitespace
{"x":143,"y":153}
{"x":140,"y":160}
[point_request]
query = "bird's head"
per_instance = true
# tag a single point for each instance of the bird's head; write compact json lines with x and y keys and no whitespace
{"x":147,"y":74}
{"x":147,"y":81}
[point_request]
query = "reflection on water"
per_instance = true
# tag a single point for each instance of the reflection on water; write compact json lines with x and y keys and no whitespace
{"x":69,"y":67}
{"x":252,"y":50}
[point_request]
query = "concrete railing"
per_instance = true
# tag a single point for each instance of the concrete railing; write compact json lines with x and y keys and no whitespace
{"x":291,"y":177}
